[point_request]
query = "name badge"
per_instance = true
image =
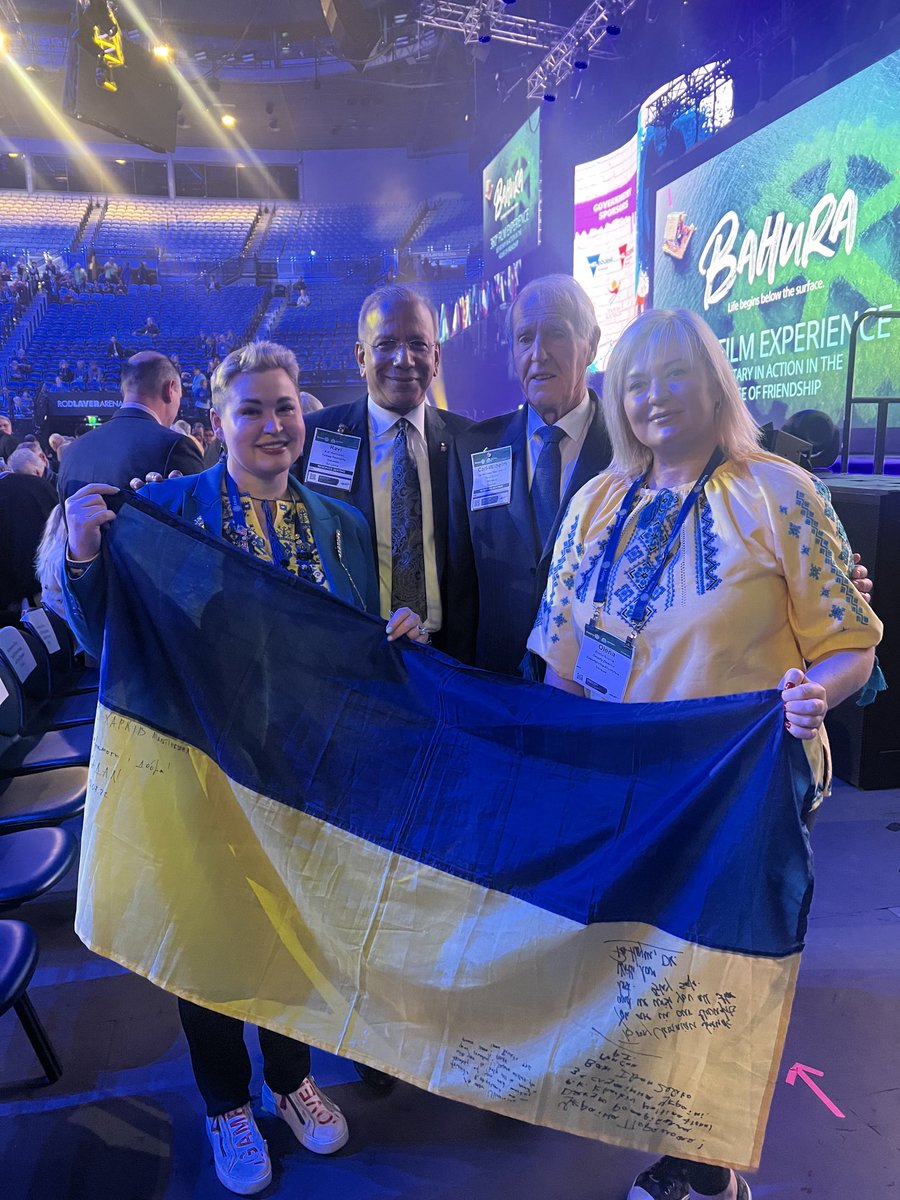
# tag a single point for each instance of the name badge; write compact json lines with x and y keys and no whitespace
{"x":604,"y":665}
{"x":40,"y":623}
{"x":16,"y":650}
{"x":491,"y":478}
{"x":332,"y":459}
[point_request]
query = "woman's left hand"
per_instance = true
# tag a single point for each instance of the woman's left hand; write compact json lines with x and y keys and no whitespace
{"x":405,"y":623}
{"x":805,"y":704}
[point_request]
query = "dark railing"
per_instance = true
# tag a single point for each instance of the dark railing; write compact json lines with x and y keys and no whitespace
{"x":883,"y":403}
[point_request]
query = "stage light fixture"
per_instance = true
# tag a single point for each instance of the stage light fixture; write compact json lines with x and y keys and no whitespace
{"x":484,"y":29}
{"x":509,"y":1}
{"x":164,"y":53}
{"x":228,"y":120}
{"x":121,"y":161}
{"x":273,"y":124}
{"x":581,"y":57}
{"x":549,"y":97}
{"x":13,"y":154}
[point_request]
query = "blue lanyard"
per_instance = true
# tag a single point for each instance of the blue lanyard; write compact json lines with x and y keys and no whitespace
{"x":281,"y":556}
{"x":637,"y":616}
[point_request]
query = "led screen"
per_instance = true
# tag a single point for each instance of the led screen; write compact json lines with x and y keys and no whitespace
{"x":511,"y":197}
{"x":780,"y":240}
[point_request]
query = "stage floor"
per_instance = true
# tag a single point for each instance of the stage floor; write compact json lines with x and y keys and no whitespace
{"x":125,"y":1121}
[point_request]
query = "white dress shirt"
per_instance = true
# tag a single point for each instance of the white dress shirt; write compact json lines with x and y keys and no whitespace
{"x":382,"y":432}
{"x":575,"y":425}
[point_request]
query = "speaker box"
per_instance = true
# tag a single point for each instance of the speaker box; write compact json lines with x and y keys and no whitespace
{"x":865,"y":742}
{"x":356,"y":30}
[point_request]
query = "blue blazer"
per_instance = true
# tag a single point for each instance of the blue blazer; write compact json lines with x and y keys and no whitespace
{"x":197,"y":499}
{"x":497,"y":570}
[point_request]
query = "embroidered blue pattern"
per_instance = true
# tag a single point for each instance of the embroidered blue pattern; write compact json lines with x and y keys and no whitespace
{"x":707,"y":548}
{"x":542,"y":620}
{"x":848,"y":592}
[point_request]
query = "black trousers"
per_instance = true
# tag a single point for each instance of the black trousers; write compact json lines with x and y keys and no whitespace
{"x":222,"y":1064}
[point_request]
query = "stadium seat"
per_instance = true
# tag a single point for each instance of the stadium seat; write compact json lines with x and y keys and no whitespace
{"x":18,"y":959}
{"x":32,"y":861}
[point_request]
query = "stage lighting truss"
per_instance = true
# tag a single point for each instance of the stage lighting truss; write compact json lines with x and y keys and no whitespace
{"x":708,"y":89}
{"x":584,"y":36}
{"x":505,"y":26}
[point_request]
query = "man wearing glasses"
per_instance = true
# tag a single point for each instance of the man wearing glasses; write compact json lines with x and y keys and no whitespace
{"x":387,"y":453}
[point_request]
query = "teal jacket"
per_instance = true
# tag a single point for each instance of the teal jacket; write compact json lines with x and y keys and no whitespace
{"x":198,"y":500}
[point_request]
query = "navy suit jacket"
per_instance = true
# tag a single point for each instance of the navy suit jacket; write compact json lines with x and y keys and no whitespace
{"x":198,"y":500}
{"x":441,"y":429}
{"x":129,"y":446}
{"x":496,"y":568}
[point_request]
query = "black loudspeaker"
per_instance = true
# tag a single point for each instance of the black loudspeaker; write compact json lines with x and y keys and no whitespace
{"x":865,"y":742}
{"x":142,"y":108}
{"x":356,"y":30}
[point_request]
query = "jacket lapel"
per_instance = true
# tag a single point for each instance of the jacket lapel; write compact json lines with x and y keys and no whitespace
{"x":203,"y":502}
{"x":438,"y":440}
{"x":520,"y":512}
{"x":360,"y":494}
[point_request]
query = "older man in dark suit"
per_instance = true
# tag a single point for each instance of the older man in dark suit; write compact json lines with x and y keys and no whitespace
{"x":137,"y":443}
{"x":387,"y":453}
{"x":512,"y":476}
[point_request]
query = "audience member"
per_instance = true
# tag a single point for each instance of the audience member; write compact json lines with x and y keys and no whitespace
{"x":148,"y":329}
{"x":137,"y":440}
{"x":310,"y":403}
{"x":49,"y":559}
{"x":26,"y":501}
{"x":115,"y":349}
{"x":8,"y":440}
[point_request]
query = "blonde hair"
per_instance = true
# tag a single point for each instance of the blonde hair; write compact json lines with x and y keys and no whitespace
{"x":48,"y":561}
{"x":646,"y":337}
{"x":249,"y":359}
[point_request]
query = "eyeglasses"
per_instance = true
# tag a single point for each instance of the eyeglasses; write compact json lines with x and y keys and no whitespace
{"x":388,"y":347}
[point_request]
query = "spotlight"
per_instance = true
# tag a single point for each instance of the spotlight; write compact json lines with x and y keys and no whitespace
{"x":273,"y":124}
{"x":121,"y":161}
{"x":2,"y":41}
{"x":228,"y":120}
{"x":509,"y":1}
{"x":164,"y":53}
{"x":484,"y":29}
{"x":13,"y":154}
{"x":549,"y":96}
{"x":270,"y":107}
{"x":613,"y":30}
{"x":580,"y":56}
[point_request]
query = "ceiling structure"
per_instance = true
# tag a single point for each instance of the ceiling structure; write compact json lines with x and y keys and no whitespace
{"x":424,"y":86}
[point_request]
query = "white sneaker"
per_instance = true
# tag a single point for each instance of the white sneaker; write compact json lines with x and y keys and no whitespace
{"x":317,"y":1122}
{"x":239,"y":1151}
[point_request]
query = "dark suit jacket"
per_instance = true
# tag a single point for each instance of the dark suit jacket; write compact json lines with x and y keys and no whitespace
{"x":130,"y":445}
{"x":496,"y":569}
{"x":26,"y":501}
{"x":198,"y":500}
{"x":441,"y":428}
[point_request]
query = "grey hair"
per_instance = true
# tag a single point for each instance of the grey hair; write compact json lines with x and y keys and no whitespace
{"x":644,"y":338}
{"x":390,"y":294}
{"x":566,"y":296}
{"x":251,"y":359}
{"x":23,"y":457}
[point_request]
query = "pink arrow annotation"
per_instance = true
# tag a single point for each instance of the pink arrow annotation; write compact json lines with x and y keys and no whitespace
{"x":804,"y":1073}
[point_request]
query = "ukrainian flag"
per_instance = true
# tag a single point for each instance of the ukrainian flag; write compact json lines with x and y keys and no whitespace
{"x":587,"y":916}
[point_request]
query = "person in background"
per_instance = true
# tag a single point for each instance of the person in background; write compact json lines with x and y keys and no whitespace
{"x":251,"y":501}
{"x":137,"y":440}
{"x":115,"y":349}
{"x":26,"y":501}
{"x":310,"y":403}
{"x":713,"y":568}
{"x":148,"y":329}
{"x":48,"y":561}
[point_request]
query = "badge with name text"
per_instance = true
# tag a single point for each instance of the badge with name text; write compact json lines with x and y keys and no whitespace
{"x":491,"y":478}
{"x":332,"y":459}
{"x":604,"y":665}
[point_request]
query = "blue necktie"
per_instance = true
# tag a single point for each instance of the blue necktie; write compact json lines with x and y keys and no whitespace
{"x":546,"y":480}
{"x":407,"y":543}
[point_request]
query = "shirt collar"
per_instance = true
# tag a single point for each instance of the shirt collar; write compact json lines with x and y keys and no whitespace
{"x":573,"y":423}
{"x":142,"y":407}
{"x":383,"y":420}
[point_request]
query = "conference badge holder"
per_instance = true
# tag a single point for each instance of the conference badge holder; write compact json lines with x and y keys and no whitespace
{"x":491,"y":478}
{"x":604,"y":665}
{"x":332,"y":459}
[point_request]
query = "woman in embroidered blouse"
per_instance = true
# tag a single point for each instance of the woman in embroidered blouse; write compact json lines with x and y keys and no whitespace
{"x":252,"y":501}
{"x":753,"y":591}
